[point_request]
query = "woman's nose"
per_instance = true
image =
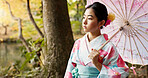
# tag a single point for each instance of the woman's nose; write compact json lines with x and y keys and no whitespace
{"x":85,"y":21}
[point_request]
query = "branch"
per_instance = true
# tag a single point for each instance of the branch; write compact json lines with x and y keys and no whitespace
{"x":15,"y":18}
{"x":20,"y":29}
{"x":32,"y":20}
{"x":35,"y":25}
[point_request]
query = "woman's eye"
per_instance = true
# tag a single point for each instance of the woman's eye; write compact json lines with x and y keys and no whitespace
{"x":83,"y":17}
{"x":90,"y":18}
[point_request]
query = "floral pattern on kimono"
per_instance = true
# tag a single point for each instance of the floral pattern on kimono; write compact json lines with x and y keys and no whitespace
{"x":113,"y":65}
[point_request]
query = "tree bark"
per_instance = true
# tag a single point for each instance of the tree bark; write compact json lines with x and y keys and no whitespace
{"x":58,"y":37}
{"x":32,"y":20}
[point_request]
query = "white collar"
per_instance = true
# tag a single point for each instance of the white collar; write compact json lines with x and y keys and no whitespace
{"x":86,"y":46}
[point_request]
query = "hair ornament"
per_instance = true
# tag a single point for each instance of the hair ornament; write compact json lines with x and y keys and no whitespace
{"x":110,"y":18}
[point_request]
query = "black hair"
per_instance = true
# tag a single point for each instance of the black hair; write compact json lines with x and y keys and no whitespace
{"x":100,"y":11}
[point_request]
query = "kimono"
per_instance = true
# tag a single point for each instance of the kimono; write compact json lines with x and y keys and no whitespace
{"x":80,"y":66}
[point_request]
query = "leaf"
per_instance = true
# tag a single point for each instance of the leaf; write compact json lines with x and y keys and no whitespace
{"x":28,"y":56}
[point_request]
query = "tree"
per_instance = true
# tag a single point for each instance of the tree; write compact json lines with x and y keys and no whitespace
{"x":20,"y":28}
{"x":32,"y":19}
{"x":19,"y":9}
{"x":58,"y":37}
{"x":76,"y":9}
{"x":5,"y":27}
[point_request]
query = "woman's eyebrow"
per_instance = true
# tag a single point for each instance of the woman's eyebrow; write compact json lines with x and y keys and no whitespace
{"x":90,"y":15}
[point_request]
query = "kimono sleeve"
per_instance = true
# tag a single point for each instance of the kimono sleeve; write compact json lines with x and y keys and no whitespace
{"x":113,"y":65}
{"x":71,"y":65}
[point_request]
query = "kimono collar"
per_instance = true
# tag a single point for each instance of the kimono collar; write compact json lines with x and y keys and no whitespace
{"x":96,"y":41}
{"x":86,"y":46}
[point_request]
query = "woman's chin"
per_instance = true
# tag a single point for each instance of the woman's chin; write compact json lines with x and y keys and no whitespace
{"x":85,"y":30}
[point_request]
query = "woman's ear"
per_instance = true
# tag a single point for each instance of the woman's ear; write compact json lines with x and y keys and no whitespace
{"x":101,"y":23}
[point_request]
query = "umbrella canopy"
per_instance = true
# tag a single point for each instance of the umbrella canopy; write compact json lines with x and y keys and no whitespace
{"x":129,"y":30}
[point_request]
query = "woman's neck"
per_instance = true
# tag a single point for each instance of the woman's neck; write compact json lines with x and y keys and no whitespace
{"x":91,"y":35}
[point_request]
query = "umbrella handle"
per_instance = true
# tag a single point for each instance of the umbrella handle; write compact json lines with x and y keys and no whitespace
{"x":120,"y":29}
{"x":134,"y":70}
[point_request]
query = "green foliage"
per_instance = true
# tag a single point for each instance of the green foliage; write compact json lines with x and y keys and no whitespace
{"x":76,"y":27}
{"x":28,"y":28}
{"x":29,"y":56}
{"x":39,"y":22}
{"x":76,"y":10}
{"x":31,"y":67}
{"x":33,"y":57}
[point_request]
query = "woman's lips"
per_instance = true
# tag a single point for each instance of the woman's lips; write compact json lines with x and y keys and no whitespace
{"x":84,"y":27}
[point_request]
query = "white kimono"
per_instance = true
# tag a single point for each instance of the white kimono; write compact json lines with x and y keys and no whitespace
{"x":80,"y":66}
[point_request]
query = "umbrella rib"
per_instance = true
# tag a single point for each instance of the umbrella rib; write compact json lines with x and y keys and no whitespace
{"x":137,"y":49}
{"x":141,"y":31}
{"x":111,"y":9}
{"x":125,"y":8}
{"x":141,"y":26}
{"x":141,"y":43}
{"x":119,"y":39}
{"x":139,"y":16}
{"x":111,"y":31}
{"x":130,"y":9}
{"x":130,"y":48}
{"x":116,"y":8}
{"x":140,"y":40}
{"x":121,"y":9}
{"x":141,"y":22}
{"x":124,"y":45}
{"x":140,"y":34}
{"x":137,"y":10}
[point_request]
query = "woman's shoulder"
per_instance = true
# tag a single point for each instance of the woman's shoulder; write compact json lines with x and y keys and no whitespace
{"x":77,"y":42}
{"x":79,"y":39}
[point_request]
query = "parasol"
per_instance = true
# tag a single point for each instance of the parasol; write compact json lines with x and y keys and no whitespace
{"x":129,"y":31}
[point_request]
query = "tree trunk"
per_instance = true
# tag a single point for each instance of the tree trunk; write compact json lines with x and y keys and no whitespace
{"x":58,"y":37}
{"x":5,"y":30}
{"x":5,"y":27}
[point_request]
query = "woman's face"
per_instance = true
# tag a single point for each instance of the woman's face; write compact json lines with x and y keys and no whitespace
{"x":90,"y":22}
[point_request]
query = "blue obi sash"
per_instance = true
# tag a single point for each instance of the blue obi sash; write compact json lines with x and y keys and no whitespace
{"x":81,"y":71}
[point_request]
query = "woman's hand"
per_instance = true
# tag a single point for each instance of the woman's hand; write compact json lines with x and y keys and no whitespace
{"x":94,"y":55}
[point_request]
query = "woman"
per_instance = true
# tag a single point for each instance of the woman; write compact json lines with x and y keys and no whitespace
{"x":85,"y":61}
